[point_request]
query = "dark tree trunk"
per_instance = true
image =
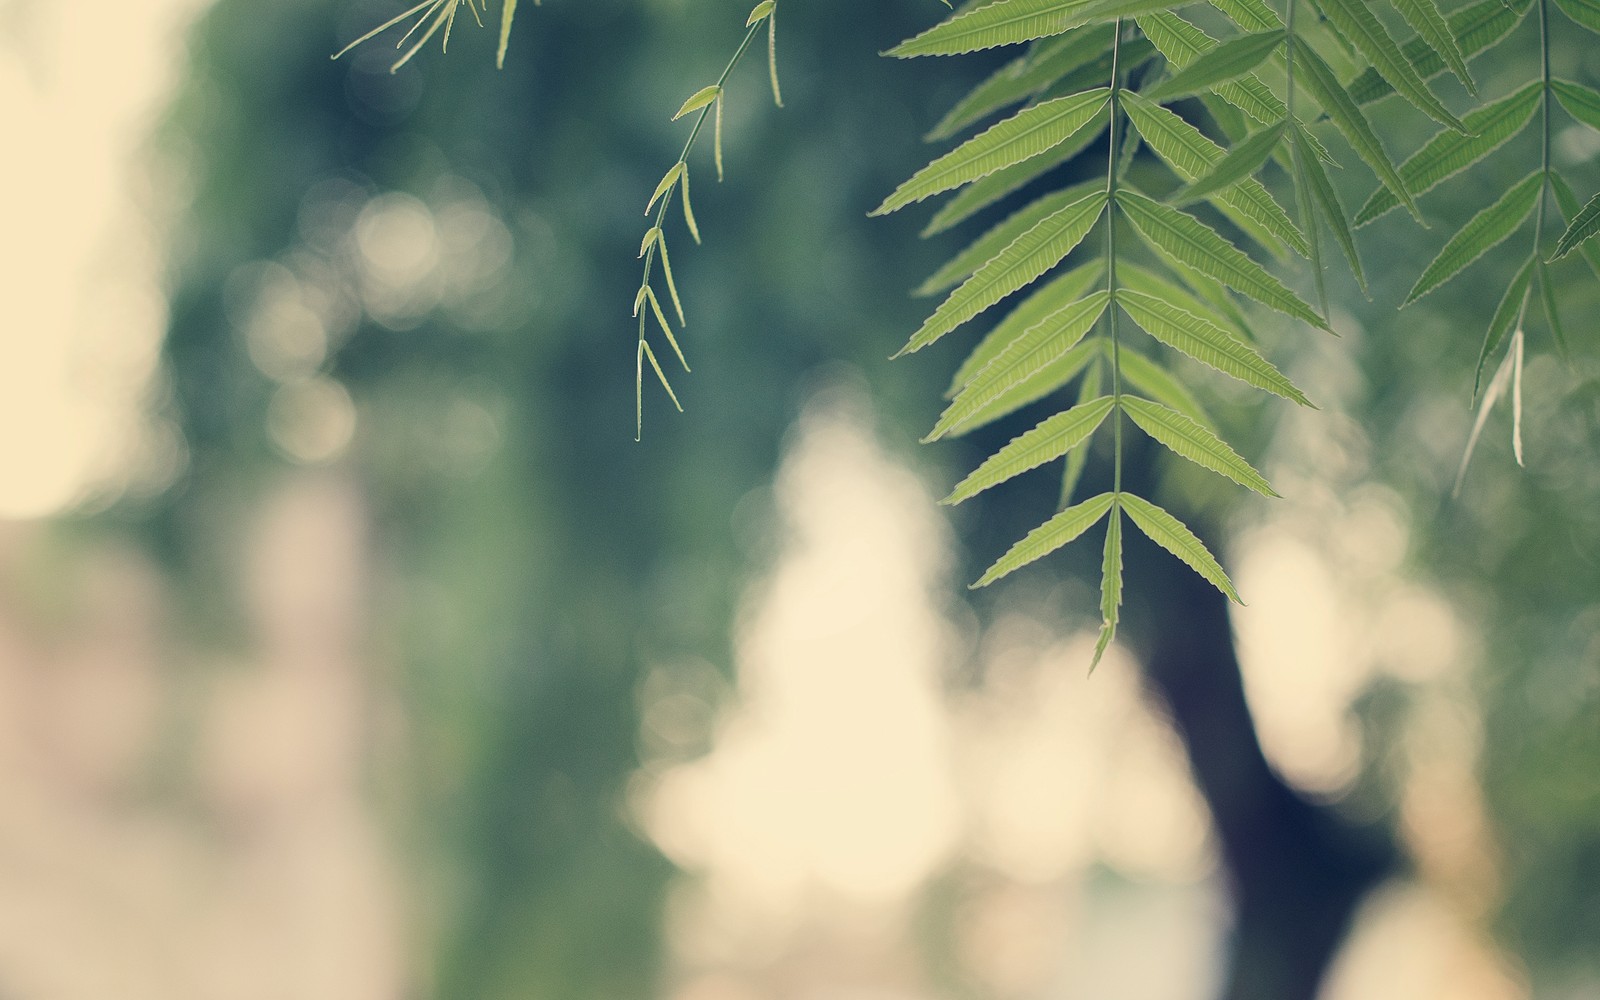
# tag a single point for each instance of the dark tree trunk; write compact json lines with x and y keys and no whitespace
{"x":1297,"y":869}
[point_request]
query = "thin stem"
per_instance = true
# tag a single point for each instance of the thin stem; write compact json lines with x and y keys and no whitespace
{"x":1111,"y":265}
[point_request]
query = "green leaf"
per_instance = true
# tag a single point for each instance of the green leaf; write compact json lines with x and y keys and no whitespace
{"x":1187,"y":439}
{"x":1505,"y":317}
{"x":1131,"y":275}
{"x":982,"y":193}
{"x":1430,"y":26}
{"x":507,"y":12}
{"x":646,"y":351}
{"x":1242,"y":161}
{"x":1475,"y":28}
{"x":1053,"y":295}
{"x":688,"y":206}
{"x":698,"y":100}
{"x":772,"y":56}
{"x":647,"y":294}
{"x":670,"y":179}
{"x":1040,"y":344}
{"x":1023,"y":136}
{"x":1487,"y":229}
{"x":1171,"y":534}
{"x":1023,"y":77}
{"x":1034,"y":386}
{"x":1449,"y":153}
{"x":1229,"y":61}
{"x":1191,"y":155}
{"x":1347,"y":117}
{"x":1206,"y":343}
{"x":986,"y":247}
{"x":1581,"y":102}
{"x":1194,"y":244}
{"x":1583,"y":227}
{"x":1005,"y":22}
{"x":1147,"y":377}
{"x":1311,"y":176}
{"x":1585,"y":12}
{"x":1251,"y":15}
{"x":1568,"y":202}
{"x":762,"y":9}
{"x":656,"y":238}
{"x":1029,"y":256}
{"x":1355,"y":20}
{"x":1052,"y":438}
{"x":1182,"y":43}
{"x":1048,"y":537}
{"x":1552,"y":313}
{"x":1110,"y":586}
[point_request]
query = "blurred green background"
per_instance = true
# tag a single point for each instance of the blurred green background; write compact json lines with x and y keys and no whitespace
{"x":369,"y":656}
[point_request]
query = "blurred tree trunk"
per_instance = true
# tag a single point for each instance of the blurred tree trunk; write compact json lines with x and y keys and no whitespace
{"x":1297,"y":870}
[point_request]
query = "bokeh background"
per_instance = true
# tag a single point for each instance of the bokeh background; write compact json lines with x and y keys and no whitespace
{"x":351,"y":648}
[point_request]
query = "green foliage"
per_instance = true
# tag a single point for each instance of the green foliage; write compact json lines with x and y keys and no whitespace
{"x":1045,"y":342}
{"x":1075,"y":95}
{"x":708,"y":101}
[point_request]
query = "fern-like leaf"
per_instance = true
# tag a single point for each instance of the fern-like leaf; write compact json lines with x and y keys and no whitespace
{"x":1312,"y":179}
{"x":1139,"y":279}
{"x":1449,"y":152}
{"x":1171,"y":534}
{"x":1052,"y":438}
{"x":1504,"y":319}
{"x":1251,"y":15}
{"x":1053,"y":295}
{"x":1005,"y":22}
{"x":985,"y":191}
{"x":1041,"y":343}
{"x":1145,"y":376}
{"x":1567,"y":201}
{"x":988,"y":246}
{"x":1475,"y":27}
{"x":1355,"y":20}
{"x":1343,"y":111}
{"x":1241,"y":162}
{"x":1585,"y":12}
{"x":1187,"y":439}
{"x":1110,"y":587}
{"x":1206,"y":343}
{"x":1048,"y":537}
{"x":1486,"y":230}
{"x":1584,"y":226}
{"x":1024,"y":77}
{"x":1582,"y":103}
{"x":1182,"y":43}
{"x":1431,"y":27}
{"x":1191,"y":155}
{"x":1020,"y":264}
{"x":1021,"y":137}
{"x":1192,"y":243}
{"x":1229,"y":61}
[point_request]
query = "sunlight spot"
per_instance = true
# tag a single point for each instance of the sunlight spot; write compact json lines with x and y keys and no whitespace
{"x":833,"y":773}
{"x":312,"y":421}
